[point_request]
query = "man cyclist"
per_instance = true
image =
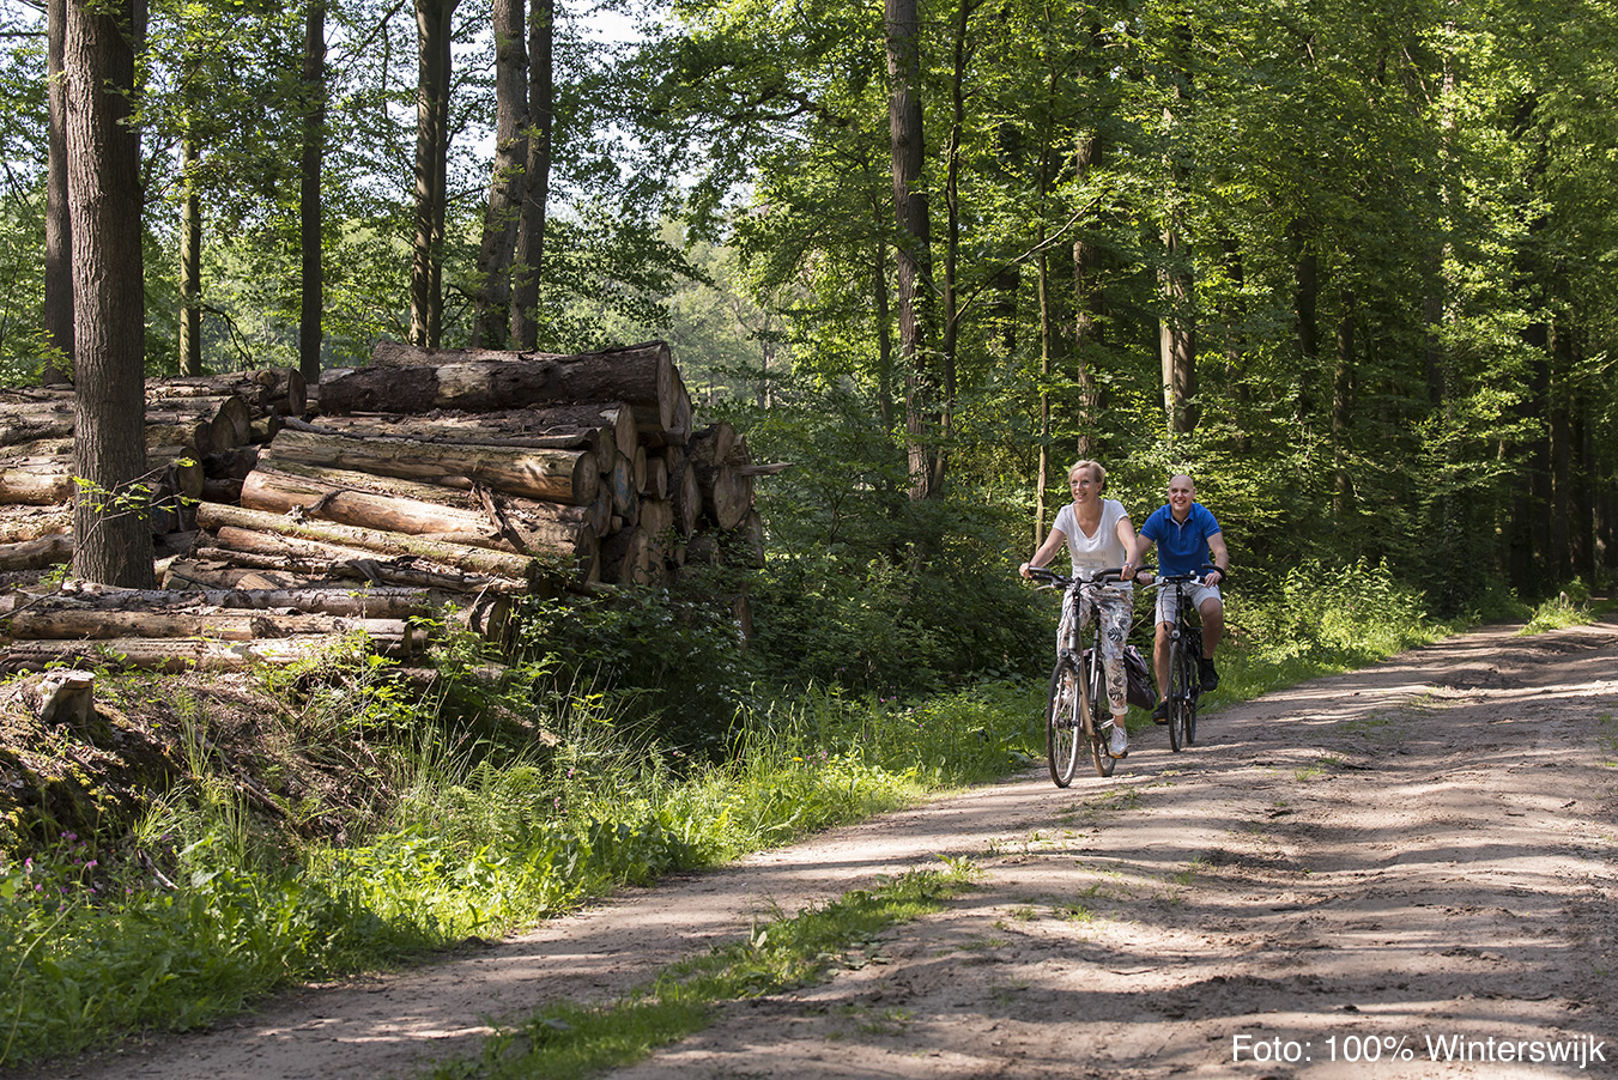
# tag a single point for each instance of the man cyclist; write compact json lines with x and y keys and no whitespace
{"x":1186,"y":536}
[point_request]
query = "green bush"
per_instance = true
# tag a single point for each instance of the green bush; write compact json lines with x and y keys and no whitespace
{"x":1319,"y":611}
{"x":669,"y":666}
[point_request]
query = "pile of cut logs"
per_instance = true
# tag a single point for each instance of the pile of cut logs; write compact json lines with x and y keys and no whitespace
{"x":200,"y":442}
{"x":461,"y":476}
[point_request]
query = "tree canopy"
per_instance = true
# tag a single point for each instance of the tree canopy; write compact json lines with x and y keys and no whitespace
{"x":1350,"y":265}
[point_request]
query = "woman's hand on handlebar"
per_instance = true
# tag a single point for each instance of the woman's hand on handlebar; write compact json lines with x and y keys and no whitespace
{"x":1024,"y":569}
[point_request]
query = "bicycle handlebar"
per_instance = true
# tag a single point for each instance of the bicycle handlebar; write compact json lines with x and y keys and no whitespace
{"x":1198,"y":574}
{"x":1100,"y":577}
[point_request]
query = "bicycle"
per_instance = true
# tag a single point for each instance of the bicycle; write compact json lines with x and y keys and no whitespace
{"x":1185,"y":655}
{"x":1078,"y":685}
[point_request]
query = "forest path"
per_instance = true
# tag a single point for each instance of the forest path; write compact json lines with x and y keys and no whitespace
{"x":1419,"y":851}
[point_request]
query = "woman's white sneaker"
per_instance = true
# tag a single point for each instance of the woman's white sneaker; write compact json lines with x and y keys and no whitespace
{"x":1118,"y":745}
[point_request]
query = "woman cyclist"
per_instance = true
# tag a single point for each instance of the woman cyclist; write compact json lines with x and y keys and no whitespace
{"x":1098,"y":535}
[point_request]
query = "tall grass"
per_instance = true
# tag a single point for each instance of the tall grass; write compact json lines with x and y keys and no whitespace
{"x":197,"y":910}
{"x":194,"y":913}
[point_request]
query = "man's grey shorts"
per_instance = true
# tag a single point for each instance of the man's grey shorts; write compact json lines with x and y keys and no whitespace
{"x":1166,"y":610}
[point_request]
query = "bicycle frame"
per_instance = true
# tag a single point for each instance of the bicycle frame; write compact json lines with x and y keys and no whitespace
{"x":1185,"y":654}
{"x":1079,"y":677}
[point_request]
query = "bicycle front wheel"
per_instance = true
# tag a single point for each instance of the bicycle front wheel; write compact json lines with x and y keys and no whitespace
{"x":1062,"y":724}
{"x":1094,"y":693}
{"x":1182,"y":698}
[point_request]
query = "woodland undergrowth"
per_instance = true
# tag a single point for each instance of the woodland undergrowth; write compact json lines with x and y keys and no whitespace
{"x":204,"y":903}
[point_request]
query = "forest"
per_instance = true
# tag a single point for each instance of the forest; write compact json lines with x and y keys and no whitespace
{"x":1352,"y":266}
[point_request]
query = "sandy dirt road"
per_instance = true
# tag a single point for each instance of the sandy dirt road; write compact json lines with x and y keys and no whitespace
{"x":1403,"y":872}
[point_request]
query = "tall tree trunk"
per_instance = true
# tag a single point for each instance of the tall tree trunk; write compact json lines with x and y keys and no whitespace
{"x":1177,"y":341}
{"x":914,"y":249}
{"x":1234,"y":317}
{"x":952,"y":229}
{"x":884,"y":331}
{"x":58,"y":231}
{"x":312,"y":275}
{"x":113,"y":540}
{"x":1306,"y":305}
{"x":1581,"y":509}
{"x":1559,"y":395}
{"x":1047,"y":318}
{"x":434,"y":29}
{"x":1342,"y":408}
{"x":1087,"y":307}
{"x":529,"y":257}
{"x":492,"y":321}
{"x":190,"y":260}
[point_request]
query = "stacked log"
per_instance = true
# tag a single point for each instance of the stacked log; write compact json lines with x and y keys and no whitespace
{"x":196,"y":429}
{"x":219,"y":629}
{"x":456,"y":478}
{"x":587,"y":463}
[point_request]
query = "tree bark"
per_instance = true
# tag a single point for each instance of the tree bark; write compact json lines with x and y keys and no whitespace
{"x":19,"y":523}
{"x":368,"y":603}
{"x":643,"y":376}
{"x":914,"y":243}
{"x":434,"y":30}
{"x":529,"y":256}
{"x":311,"y":278}
{"x":190,"y":259}
{"x":462,"y":557}
{"x":114,"y":542}
{"x":175,"y":655}
{"x":491,"y":323}
{"x":1342,"y":409}
{"x":56,"y":622}
{"x":58,"y":226}
{"x":36,"y":554}
{"x":565,"y":531}
{"x":565,"y":476}
{"x":282,"y":391}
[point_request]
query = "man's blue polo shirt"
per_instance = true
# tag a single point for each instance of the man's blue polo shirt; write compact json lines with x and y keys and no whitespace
{"x":1181,"y":549}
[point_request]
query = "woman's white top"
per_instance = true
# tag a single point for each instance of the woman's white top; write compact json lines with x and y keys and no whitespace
{"x":1100,"y":550}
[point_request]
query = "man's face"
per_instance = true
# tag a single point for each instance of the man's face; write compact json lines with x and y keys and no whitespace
{"x":1181,"y":494}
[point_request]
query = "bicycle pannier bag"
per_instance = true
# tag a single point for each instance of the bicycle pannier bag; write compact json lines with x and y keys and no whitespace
{"x":1140,"y":679}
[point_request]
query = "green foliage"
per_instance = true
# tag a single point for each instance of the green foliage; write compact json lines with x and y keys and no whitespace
{"x":666,"y":665}
{"x":866,"y":587}
{"x":198,"y":909}
{"x":1569,"y":607}
{"x":1350,"y":613}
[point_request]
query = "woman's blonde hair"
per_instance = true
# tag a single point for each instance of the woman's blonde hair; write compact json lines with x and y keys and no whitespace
{"x":1096,"y":466}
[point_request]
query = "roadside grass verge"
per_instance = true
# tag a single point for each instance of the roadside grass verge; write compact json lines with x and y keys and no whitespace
{"x":1572,"y":606}
{"x":1321,"y":620}
{"x":568,"y":1040}
{"x":199,"y":909}
{"x":203,"y":906}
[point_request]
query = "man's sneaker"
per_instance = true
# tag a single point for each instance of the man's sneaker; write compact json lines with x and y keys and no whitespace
{"x":1160,"y":715}
{"x":1118,"y":745}
{"x":1209,"y":675}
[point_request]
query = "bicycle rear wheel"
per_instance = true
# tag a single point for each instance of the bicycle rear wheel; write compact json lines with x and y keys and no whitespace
{"x":1193,"y":654}
{"x":1062,"y":726}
